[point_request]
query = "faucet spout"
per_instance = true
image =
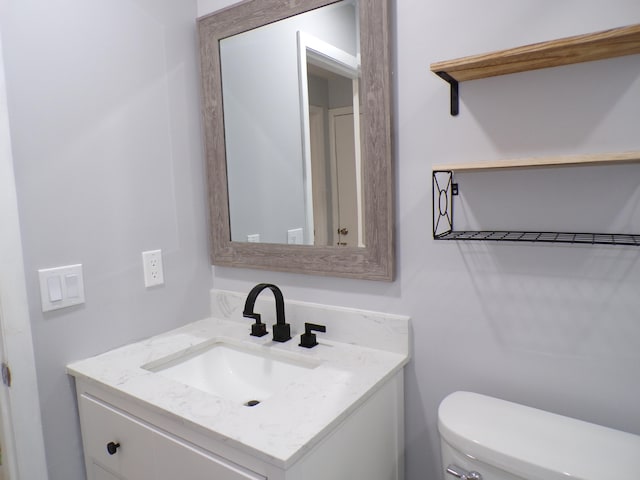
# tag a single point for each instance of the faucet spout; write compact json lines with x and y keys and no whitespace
{"x":281,"y":329}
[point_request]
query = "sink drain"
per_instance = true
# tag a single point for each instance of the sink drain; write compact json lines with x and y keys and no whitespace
{"x":251,"y":403}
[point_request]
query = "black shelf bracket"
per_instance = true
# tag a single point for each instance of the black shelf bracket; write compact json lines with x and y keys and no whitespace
{"x":443,"y":189}
{"x":455,"y":97}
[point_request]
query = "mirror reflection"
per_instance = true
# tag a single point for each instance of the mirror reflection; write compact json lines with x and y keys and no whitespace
{"x":292,"y":129}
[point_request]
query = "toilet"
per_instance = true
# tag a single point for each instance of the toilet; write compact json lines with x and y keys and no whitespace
{"x":484,"y":438}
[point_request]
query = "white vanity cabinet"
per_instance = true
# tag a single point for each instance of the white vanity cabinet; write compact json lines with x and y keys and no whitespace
{"x":367,"y":444}
{"x":340,"y":418}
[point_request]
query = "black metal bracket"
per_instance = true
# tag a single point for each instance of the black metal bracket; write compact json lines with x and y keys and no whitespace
{"x":455,"y":97}
{"x":443,"y":189}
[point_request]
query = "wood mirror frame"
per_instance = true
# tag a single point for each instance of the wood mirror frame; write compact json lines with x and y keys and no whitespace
{"x":374,"y":261}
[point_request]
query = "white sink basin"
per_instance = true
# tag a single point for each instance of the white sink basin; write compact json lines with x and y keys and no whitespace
{"x":237,"y":373}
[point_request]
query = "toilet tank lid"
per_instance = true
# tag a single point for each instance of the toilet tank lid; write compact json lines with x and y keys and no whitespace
{"x":535,"y":444}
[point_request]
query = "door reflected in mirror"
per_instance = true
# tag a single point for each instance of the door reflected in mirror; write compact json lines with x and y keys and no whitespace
{"x":292,"y":130}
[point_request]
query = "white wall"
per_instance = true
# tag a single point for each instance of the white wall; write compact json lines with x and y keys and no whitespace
{"x":555,"y":327}
{"x":105,"y":117}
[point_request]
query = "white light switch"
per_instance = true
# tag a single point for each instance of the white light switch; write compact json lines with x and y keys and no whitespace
{"x":55,"y":288}
{"x":73,"y":285}
{"x":61,"y":287}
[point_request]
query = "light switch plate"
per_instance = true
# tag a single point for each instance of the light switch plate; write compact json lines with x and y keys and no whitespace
{"x":61,"y":287}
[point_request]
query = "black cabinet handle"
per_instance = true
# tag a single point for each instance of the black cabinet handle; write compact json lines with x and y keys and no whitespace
{"x":112,"y":448}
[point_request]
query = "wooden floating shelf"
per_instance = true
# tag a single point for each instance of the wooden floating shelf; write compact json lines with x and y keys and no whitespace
{"x":544,"y":162}
{"x":616,"y":42}
{"x":611,"y":43}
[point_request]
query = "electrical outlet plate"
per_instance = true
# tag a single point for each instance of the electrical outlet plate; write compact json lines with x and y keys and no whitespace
{"x":295,"y":236}
{"x":152,"y":265}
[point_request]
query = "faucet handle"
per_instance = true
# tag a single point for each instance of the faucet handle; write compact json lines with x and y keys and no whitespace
{"x":258,"y":329}
{"x":308,"y":339}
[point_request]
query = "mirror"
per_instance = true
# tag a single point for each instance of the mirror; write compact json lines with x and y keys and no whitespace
{"x":297,"y":130}
{"x":297,"y":107}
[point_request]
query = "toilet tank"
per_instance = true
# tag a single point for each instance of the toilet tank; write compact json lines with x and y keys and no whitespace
{"x":505,"y":441}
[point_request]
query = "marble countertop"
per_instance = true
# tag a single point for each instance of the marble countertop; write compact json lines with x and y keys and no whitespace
{"x":278,"y":430}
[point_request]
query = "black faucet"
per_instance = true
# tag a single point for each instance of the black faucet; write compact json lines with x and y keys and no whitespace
{"x":281,"y":330}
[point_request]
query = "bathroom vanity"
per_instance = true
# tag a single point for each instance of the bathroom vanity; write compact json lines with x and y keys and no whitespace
{"x":334,"y":411}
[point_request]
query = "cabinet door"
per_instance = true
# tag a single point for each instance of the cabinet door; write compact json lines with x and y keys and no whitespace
{"x":101,"y":425}
{"x":177,"y":459}
{"x":99,"y":473}
{"x":145,"y":452}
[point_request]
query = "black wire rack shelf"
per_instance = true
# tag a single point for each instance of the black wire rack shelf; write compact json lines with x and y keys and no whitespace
{"x":544,"y":237}
{"x":444,"y":189}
